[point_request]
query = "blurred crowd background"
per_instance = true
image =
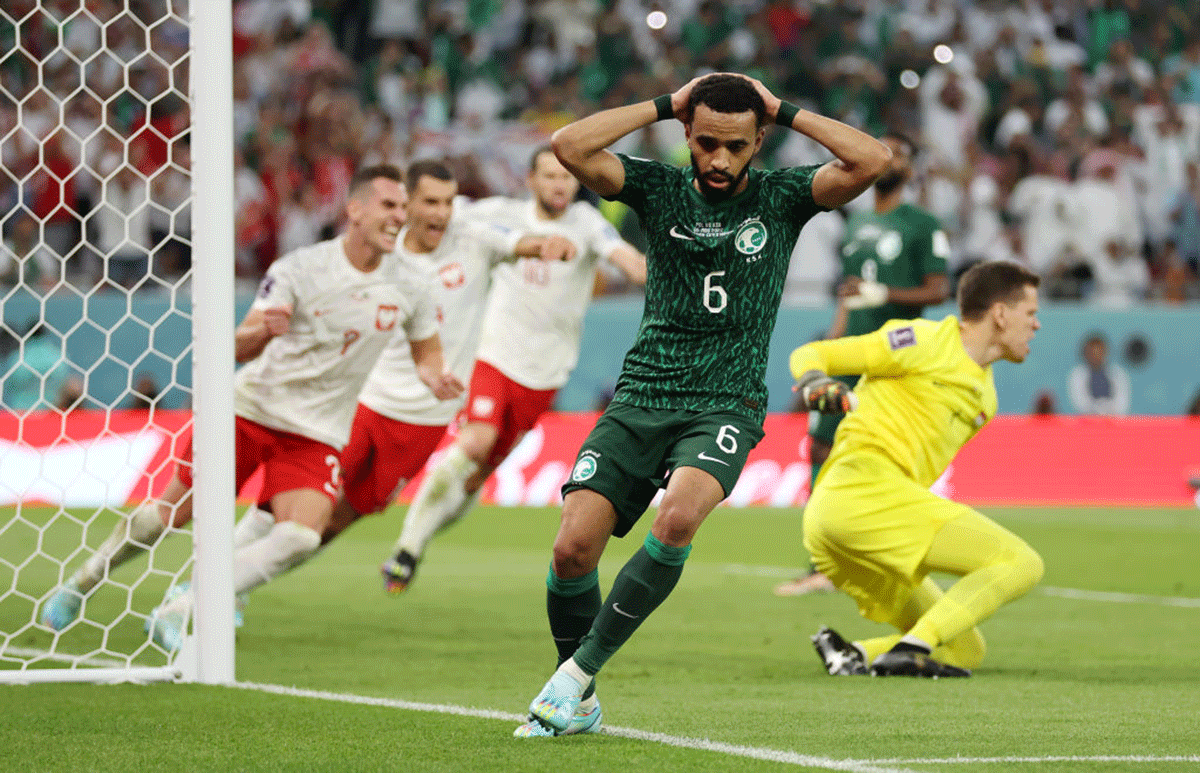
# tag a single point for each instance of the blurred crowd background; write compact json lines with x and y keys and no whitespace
{"x":1061,"y":133}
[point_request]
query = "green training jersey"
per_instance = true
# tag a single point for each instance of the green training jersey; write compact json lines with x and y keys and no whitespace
{"x":899,"y":249}
{"x":715,"y":278}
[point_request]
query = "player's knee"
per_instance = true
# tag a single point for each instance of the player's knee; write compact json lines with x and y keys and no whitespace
{"x":1027,"y":568}
{"x":476,"y":442}
{"x":1032,"y":566}
{"x":477,"y":452}
{"x":574,"y":556}
{"x":677,"y":521}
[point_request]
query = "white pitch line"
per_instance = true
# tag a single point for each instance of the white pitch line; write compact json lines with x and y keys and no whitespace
{"x":1036,"y":760}
{"x":1077,"y":594}
{"x":683,"y":742}
{"x":701,"y":744}
{"x":1121,"y":598}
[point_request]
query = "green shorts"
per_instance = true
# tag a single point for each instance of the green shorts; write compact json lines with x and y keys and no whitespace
{"x":631,"y":451}
{"x":826,"y":424}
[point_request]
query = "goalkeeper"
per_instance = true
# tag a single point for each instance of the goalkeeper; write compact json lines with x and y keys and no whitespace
{"x":872,"y":525}
{"x":893,"y":266}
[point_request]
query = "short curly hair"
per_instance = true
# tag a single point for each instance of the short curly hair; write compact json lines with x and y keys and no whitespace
{"x":727,"y":93}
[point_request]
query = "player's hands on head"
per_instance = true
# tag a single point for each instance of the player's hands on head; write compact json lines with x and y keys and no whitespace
{"x":278,"y":320}
{"x":770,"y":100}
{"x":557,"y":248}
{"x":679,"y":98}
{"x":824,"y":394}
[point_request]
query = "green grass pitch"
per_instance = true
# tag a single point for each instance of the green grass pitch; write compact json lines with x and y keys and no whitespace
{"x":1106,"y":680}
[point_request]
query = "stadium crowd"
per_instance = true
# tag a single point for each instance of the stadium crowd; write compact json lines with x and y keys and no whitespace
{"x":1062,"y":133}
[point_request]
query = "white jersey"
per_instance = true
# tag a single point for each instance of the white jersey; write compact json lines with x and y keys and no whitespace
{"x":306,"y":380}
{"x":534,"y":319}
{"x":461,"y":267}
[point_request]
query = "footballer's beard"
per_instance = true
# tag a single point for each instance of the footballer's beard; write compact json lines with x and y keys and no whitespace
{"x":889,"y":181}
{"x":714,"y":195}
{"x":554,"y":206}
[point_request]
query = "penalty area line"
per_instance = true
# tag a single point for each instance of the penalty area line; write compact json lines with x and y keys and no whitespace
{"x":699,"y":744}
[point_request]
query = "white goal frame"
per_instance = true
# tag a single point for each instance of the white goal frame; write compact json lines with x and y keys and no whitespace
{"x":207,"y":656}
{"x":212,"y":342}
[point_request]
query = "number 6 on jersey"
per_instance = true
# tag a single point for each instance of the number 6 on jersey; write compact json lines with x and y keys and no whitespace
{"x":715,"y":297}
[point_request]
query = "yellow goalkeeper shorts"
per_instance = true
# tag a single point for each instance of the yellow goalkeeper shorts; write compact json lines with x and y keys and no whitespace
{"x":868,"y":527}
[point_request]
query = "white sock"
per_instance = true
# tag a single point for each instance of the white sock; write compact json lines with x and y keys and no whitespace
{"x":439,"y":502}
{"x":255,"y":524}
{"x":572,"y":669}
{"x":287,"y":545}
{"x":131,"y":535}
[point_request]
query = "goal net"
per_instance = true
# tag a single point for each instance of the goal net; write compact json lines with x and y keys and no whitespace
{"x":105,"y":298}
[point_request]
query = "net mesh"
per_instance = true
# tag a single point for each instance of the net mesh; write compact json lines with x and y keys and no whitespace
{"x":95,"y":333}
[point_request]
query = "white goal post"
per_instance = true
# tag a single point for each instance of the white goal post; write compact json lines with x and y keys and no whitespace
{"x":41,"y":545}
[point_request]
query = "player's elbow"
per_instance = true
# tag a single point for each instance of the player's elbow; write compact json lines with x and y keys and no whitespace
{"x":799,"y":362}
{"x":564,"y":145}
{"x":875,"y":161}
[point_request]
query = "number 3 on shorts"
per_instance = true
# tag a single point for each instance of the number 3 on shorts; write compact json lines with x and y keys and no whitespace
{"x":335,"y":474}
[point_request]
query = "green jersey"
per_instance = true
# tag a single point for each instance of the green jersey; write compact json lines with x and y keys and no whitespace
{"x":899,"y":249}
{"x":715,"y":278}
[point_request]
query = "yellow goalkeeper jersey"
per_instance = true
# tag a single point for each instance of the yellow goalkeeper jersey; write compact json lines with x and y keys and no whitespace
{"x":921,"y":397}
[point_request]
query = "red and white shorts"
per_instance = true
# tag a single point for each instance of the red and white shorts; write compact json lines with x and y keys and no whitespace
{"x":289,"y":461}
{"x":509,"y":407}
{"x":382,"y":456}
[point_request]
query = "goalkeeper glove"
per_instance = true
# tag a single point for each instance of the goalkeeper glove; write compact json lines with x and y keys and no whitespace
{"x":869,"y":295}
{"x":824,"y":394}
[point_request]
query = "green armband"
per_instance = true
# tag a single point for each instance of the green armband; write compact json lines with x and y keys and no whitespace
{"x":663,"y":105}
{"x":786,"y":114}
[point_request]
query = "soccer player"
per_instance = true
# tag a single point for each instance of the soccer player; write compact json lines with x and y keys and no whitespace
{"x":691,"y":398}
{"x":399,"y":422}
{"x":322,"y":316}
{"x":872,"y":525}
{"x":893,"y":266}
{"x":531,"y":334}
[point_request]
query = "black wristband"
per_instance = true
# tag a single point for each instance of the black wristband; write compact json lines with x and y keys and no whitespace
{"x":786,"y":114}
{"x":663,"y":105}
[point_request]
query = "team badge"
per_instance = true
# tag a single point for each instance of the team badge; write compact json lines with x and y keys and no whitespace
{"x":889,"y":246}
{"x":584,"y":469}
{"x":453,"y":276}
{"x":385,"y":316}
{"x":751,"y":237}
